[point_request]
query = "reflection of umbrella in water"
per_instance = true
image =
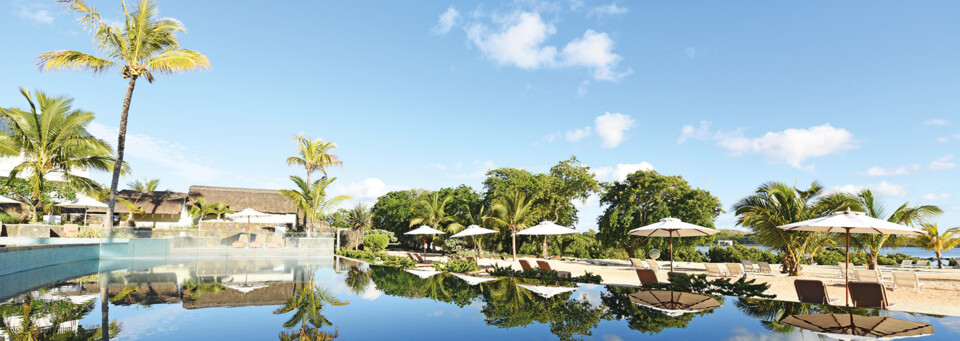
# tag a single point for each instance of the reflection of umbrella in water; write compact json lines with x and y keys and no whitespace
{"x":674,"y":303}
{"x":245,"y":288}
{"x":474,"y":280}
{"x":856,"y":327}
{"x":545,"y":291}
{"x":423,"y":273}
{"x":5,"y":200}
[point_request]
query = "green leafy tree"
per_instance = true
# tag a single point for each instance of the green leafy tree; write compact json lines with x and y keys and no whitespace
{"x":939,"y":242}
{"x":905,"y":214}
{"x":141,"y":45}
{"x":394,"y":211}
{"x":513,"y":211}
{"x":433,"y":212}
{"x":358,"y":219}
{"x":775,"y":204}
{"x":646,"y":197}
{"x":314,"y":155}
{"x":552,"y":194}
{"x":53,"y":140}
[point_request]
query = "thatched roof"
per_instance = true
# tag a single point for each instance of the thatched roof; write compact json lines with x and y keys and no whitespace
{"x":273,"y":294}
{"x":157,"y":202}
{"x":263,"y":200}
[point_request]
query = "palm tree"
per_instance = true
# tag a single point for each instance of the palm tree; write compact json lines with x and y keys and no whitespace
{"x":132,"y":208}
{"x":145,"y":44}
{"x":307,"y":304}
{"x":220,"y":209}
{"x":52,"y":139}
{"x":359,"y":218}
{"x":314,"y":155}
{"x":775,"y":204}
{"x":200,"y":209}
{"x":905,"y":215}
{"x":311,"y":198}
{"x":513,"y":211}
{"x":939,"y":242}
{"x":433,"y":213}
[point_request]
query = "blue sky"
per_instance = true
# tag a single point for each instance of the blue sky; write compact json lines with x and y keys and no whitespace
{"x":427,"y":95}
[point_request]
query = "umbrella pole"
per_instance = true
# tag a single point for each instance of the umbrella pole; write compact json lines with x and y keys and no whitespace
{"x":544,"y":246}
{"x":846,"y":272}
{"x":671,"y":251}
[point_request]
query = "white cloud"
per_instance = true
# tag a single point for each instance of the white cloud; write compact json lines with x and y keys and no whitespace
{"x":691,"y":52}
{"x":935,"y":196}
{"x":41,"y":16}
{"x":944,"y":162}
{"x":592,"y":201}
{"x":945,"y":139}
{"x":606,"y":10}
{"x":936,"y":122}
{"x":446,"y":21}
{"x":578,"y":134}
{"x":620,"y":171}
{"x":368,"y":189}
{"x":882,"y":189}
{"x":792,"y":146}
{"x":519,"y":39}
{"x":880,"y":171}
{"x":611,"y":128}
{"x":181,"y":160}
{"x":582,"y":88}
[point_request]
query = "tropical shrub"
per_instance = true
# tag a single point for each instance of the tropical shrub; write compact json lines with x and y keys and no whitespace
{"x":7,"y":218}
{"x":736,"y":253}
{"x":836,"y":255}
{"x":377,"y":258}
{"x":544,"y":275}
{"x":389,"y":234}
{"x":457,"y":266}
{"x":894,"y":259}
{"x":375,"y":242}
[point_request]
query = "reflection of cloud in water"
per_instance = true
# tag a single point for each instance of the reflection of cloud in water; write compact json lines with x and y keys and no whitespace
{"x":339,"y":286}
{"x":951,"y":323}
{"x":591,"y":296}
{"x":157,"y":320}
{"x":741,"y":334}
{"x":371,"y":293}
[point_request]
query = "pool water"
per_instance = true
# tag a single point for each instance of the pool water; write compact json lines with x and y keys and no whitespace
{"x":264,"y":299}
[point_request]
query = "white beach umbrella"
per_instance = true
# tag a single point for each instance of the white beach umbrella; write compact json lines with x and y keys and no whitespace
{"x":472,"y":231}
{"x":546,"y":228}
{"x":546,"y":291}
{"x":674,"y":303}
{"x":247,"y":213}
{"x":423,"y":273}
{"x":83,"y":202}
{"x":672,"y":227}
{"x":848,"y":222}
{"x":474,"y":280}
{"x":425,"y":231}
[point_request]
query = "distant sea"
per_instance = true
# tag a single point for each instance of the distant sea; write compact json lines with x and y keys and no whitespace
{"x":909,"y":251}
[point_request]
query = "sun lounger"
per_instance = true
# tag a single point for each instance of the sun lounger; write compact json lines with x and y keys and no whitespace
{"x":639,"y":263}
{"x":257,"y":240}
{"x":868,"y":276}
{"x":764,"y":267}
{"x":907,"y":279}
{"x":714,"y":270}
{"x":747,"y":265}
{"x":868,"y":295}
{"x":812,"y":291}
{"x":546,"y":266}
{"x":922,"y":264}
{"x":906,"y":263}
{"x":735,"y":270}
{"x":843,"y":269}
{"x":420,"y":260}
{"x":276,"y":240}
{"x":70,"y":230}
{"x":654,"y":265}
{"x":647,"y":277}
{"x":242,"y":241}
{"x":525,"y":265}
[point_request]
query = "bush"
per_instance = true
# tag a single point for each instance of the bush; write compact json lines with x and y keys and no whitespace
{"x":381,"y":258}
{"x":836,"y":255}
{"x":699,"y":284}
{"x":736,"y":253}
{"x":895,"y":259}
{"x":389,"y":234}
{"x":543,"y":275}
{"x":375,"y":242}
{"x":457,"y":265}
{"x":6,"y":218}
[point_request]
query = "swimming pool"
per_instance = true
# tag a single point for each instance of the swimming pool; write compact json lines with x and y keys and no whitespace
{"x":259,"y":299}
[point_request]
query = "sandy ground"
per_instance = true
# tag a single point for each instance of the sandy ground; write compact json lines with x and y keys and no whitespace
{"x":940,"y":294}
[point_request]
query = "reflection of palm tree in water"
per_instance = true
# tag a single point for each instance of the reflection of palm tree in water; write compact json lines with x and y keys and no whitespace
{"x":307,"y":304}
{"x":30,"y":310}
{"x":199,"y":287}
{"x":357,"y":280}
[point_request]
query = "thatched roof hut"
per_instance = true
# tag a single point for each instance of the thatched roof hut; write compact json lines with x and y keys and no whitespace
{"x":273,"y":294}
{"x":263,"y":200}
{"x":156,"y":202}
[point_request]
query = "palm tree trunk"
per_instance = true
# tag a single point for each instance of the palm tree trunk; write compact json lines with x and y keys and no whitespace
{"x":118,"y":164}
{"x":939,"y":259}
{"x":514,"y":237}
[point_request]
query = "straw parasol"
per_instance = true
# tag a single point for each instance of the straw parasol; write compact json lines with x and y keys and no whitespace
{"x":546,"y":228}
{"x":472,"y":231}
{"x":672,"y":227}
{"x":425,"y":231}
{"x":546,"y":291}
{"x":848,"y":222}
{"x":674,"y":303}
{"x":857,"y":327}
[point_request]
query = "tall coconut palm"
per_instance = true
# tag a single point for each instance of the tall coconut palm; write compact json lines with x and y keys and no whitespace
{"x":433,"y":213}
{"x":314,"y":155}
{"x":52,"y":140}
{"x":143,"y":44}
{"x":312,"y":199}
{"x":359,"y":218}
{"x":939,"y":242}
{"x":774,"y":204}
{"x":905,"y":215}
{"x":513,"y":211}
